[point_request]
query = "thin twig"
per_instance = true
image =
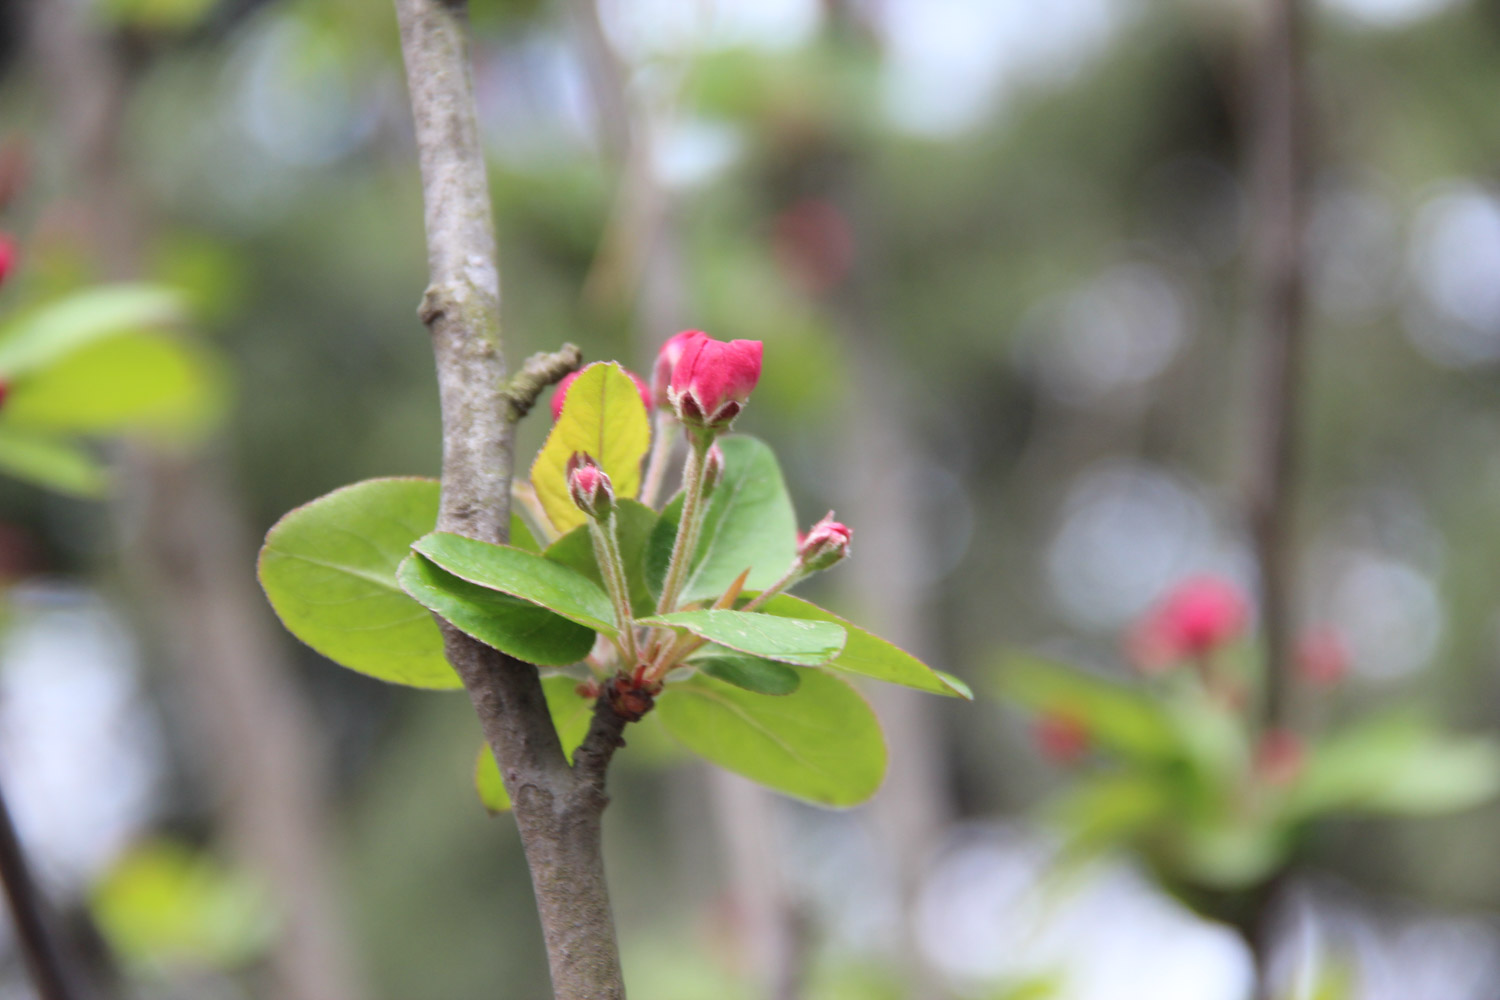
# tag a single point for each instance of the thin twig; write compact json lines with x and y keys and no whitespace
{"x":1278,"y":174}
{"x":32,"y":921}
{"x":558,"y":809}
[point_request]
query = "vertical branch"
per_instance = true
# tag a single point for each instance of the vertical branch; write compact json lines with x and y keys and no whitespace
{"x":558,"y":809}
{"x":1277,"y":167}
{"x":34,"y":935}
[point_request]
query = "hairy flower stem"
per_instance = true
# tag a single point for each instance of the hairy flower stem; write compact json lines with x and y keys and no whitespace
{"x":662,"y":443}
{"x":688,"y":527}
{"x":788,"y":579}
{"x":612,"y":567}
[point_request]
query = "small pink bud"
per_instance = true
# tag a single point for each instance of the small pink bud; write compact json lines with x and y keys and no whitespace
{"x":712,"y":380}
{"x":8,"y":254}
{"x":589,"y":486}
{"x":1322,"y":657}
{"x":666,"y":361}
{"x":1196,"y":617}
{"x":1061,"y":737}
{"x":713,"y":468}
{"x":560,"y":396}
{"x":825,"y":543}
{"x":1279,"y":757}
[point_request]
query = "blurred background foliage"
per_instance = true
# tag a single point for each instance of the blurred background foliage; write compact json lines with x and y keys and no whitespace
{"x":1014,"y":233}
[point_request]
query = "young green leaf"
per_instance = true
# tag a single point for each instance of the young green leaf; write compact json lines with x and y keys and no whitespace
{"x":801,"y":643}
{"x":52,"y":463}
{"x":821,"y":743}
{"x":604,"y":417}
{"x":329,"y":570}
{"x":42,"y":336}
{"x":869,"y":655}
{"x":749,"y":522}
{"x":571,"y":716}
{"x":513,"y":626}
{"x":522,"y":574}
{"x":633,"y":523}
{"x":749,"y":672}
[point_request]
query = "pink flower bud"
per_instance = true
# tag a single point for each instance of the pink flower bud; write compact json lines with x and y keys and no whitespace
{"x":666,"y":361}
{"x":8,"y":255}
{"x":1196,"y":617}
{"x":589,"y":486}
{"x":1279,"y":757}
{"x":1322,"y":657}
{"x":712,"y":380}
{"x":560,"y":396}
{"x":713,"y":468}
{"x":825,"y":543}
{"x":1061,"y":737}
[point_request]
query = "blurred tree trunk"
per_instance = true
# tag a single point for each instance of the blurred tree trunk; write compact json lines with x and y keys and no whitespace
{"x":194,"y":554}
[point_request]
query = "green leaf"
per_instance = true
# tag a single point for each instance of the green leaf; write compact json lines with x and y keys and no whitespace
{"x":329,"y":569}
{"x":869,"y":655}
{"x":749,"y":523}
{"x":801,"y":643}
{"x":1398,"y":764}
{"x":633,"y":524}
{"x":137,"y":381}
{"x":749,"y":672}
{"x":1116,"y":716}
{"x":52,"y":463}
{"x":522,"y":574}
{"x":821,"y":743}
{"x":509,"y":624}
{"x":165,"y":904}
{"x":604,"y":417}
{"x":42,"y":336}
{"x":1102,"y":810}
{"x":571,"y":715}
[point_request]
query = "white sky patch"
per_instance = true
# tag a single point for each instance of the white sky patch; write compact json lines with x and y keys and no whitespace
{"x":80,"y":755}
{"x":1388,"y":13}
{"x":1454,"y":259}
{"x":949,"y":61}
{"x":643,"y":28}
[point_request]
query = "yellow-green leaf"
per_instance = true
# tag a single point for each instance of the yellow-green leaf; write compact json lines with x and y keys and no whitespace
{"x":604,"y":417}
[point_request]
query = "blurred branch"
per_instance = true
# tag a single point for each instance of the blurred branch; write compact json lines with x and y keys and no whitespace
{"x":1277,"y":120}
{"x":558,"y":809}
{"x":34,"y":937}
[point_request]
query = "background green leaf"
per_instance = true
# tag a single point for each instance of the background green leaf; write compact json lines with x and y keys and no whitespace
{"x":1115,"y":715}
{"x":42,"y":336}
{"x":522,"y":574}
{"x":822,"y":743}
{"x":801,"y":643}
{"x":329,"y":569}
{"x":749,"y":523}
{"x":509,"y":624}
{"x":53,"y":463}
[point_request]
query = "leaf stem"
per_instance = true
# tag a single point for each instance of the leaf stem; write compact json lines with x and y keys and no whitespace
{"x":662,"y":443}
{"x":688,"y":526}
{"x":612,"y":567}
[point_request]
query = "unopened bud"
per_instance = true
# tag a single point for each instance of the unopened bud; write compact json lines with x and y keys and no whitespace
{"x":825,"y":543}
{"x":8,"y":254}
{"x":1322,"y":657}
{"x":712,"y":380}
{"x":1061,"y":737}
{"x":713,"y":468}
{"x":589,"y":486}
{"x":1279,"y":757}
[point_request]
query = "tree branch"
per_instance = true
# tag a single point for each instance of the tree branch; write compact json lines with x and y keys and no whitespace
{"x":557,"y":809}
{"x":1278,"y":175}
{"x":33,"y":924}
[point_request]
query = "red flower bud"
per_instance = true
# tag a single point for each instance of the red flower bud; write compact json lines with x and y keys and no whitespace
{"x":666,"y":361}
{"x":561,"y":395}
{"x":8,"y":254}
{"x":1061,"y":737}
{"x":1322,"y":657}
{"x":712,"y":380}
{"x":825,"y":543}
{"x":1198,"y":616}
{"x":589,"y":486}
{"x":1279,"y":757}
